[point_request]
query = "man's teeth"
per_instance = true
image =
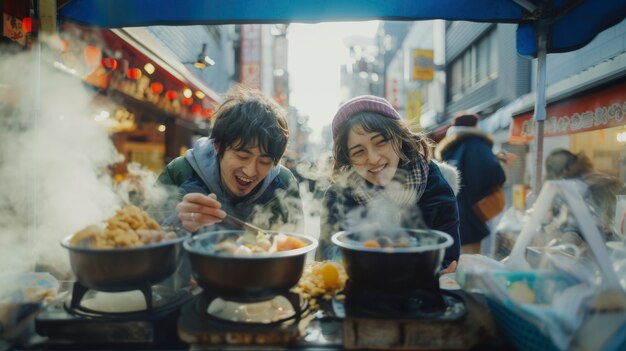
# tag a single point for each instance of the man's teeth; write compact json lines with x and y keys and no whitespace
{"x":244,"y":179}
{"x":377,"y":169}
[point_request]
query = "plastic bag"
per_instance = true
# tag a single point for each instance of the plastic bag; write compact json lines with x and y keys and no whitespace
{"x":553,"y":304}
{"x":558,"y":213}
{"x":22,"y":294}
{"x":507,"y":231}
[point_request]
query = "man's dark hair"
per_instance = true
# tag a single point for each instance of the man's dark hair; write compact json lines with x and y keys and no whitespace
{"x":248,"y":118}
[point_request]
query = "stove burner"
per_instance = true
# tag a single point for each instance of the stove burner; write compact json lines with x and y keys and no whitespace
{"x":409,"y":305}
{"x":284,"y":308}
{"x":208,"y":320}
{"x":83,"y":328}
{"x":126,"y":304}
{"x":79,"y":291}
{"x":276,"y":310}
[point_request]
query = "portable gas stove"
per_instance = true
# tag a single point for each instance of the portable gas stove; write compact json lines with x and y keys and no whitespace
{"x":419,"y":319}
{"x":284,"y":321}
{"x":97,"y":318}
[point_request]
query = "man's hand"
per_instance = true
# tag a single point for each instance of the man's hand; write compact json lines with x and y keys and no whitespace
{"x":506,"y":157}
{"x":450,"y":269}
{"x":198,"y":210}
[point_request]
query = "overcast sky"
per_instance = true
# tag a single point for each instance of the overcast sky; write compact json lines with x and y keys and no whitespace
{"x":316,"y":52}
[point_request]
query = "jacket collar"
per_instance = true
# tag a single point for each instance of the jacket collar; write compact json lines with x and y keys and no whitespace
{"x":456,"y":134}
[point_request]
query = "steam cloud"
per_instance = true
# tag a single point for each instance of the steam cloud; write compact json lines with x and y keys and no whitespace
{"x":53,"y":162}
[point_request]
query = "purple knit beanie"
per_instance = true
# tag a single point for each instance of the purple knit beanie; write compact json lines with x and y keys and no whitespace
{"x":360,"y":104}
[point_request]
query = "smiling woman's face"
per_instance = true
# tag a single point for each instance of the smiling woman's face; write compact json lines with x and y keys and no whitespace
{"x":372,"y":156}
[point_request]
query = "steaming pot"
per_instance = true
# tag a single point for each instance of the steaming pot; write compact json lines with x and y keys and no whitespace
{"x":245,"y":278}
{"x":123,"y":269}
{"x":394,"y":269}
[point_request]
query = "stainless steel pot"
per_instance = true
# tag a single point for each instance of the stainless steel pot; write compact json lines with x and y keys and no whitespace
{"x":125,"y":268}
{"x":245,"y":278}
{"x":394,"y":269}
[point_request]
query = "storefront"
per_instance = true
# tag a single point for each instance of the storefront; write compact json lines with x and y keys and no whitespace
{"x":592,"y":121}
{"x":152,"y":108}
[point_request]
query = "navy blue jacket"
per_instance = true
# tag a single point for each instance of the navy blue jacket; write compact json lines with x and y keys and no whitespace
{"x":469,"y":149}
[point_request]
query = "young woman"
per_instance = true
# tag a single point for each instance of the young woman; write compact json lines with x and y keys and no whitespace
{"x":380,"y":165}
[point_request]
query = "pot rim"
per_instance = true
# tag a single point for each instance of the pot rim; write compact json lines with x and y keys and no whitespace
{"x":312,"y":244}
{"x":347,"y":245}
{"x":66,"y":244}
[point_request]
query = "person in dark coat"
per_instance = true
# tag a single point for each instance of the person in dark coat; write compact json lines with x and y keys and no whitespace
{"x":379,"y":161}
{"x":469,"y":149}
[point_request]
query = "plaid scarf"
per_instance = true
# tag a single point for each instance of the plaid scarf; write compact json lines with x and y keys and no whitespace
{"x":406,"y":187}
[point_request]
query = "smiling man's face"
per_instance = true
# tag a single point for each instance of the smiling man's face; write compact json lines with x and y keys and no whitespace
{"x":242,"y":170}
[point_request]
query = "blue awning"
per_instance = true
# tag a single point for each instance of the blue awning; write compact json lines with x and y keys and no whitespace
{"x":571,"y":23}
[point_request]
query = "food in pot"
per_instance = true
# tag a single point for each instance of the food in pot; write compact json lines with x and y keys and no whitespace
{"x":394,"y":269}
{"x":385,"y":242}
{"x":249,"y":244}
{"x":388,"y":243}
{"x":129,"y":227}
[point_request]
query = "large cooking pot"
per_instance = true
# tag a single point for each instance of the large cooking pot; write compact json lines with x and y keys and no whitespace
{"x":395,"y":269}
{"x":123,"y":269}
{"x":245,"y":278}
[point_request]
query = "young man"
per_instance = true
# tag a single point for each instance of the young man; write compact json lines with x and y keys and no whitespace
{"x":237,"y":170}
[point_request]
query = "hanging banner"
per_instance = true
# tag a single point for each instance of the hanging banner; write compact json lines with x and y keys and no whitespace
{"x":251,"y":55}
{"x":599,"y":109}
{"x":414,"y":109}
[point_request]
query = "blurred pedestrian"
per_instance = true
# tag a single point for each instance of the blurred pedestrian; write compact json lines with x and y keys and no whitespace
{"x":375,"y":156}
{"x":237,"y":170}
{"x":481,"y":197}
{"x":600,"y":189}
{"x":291,"y":165}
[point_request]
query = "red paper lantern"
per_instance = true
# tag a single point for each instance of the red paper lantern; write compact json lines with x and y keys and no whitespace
{"x":109,"y":63}
{"x":196,"y":109}
{"x":156,"y":88}
{"x":133,"y":73}
{"x":187,"y":101}
{"x":171,"y":95}
{"x":27,"y":25}
{"x":92,"y":55}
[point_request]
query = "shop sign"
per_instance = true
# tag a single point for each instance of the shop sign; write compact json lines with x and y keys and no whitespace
{"x":603,"y":108}
{"x":12,"y":28}
{"x":422,"y":66}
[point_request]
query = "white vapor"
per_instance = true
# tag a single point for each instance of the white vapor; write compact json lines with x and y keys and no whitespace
{"x":53,"y":162}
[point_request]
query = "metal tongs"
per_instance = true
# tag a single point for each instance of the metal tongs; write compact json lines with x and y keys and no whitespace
{"x":243,"y":224}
